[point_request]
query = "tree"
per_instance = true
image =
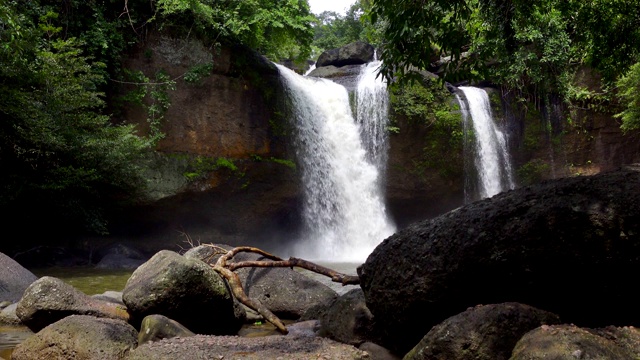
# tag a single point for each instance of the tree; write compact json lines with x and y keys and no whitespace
{"x":275,"y":28}
{"x":629,"y":88}
{"x":65,"y":166}
{"x":530,"y":47}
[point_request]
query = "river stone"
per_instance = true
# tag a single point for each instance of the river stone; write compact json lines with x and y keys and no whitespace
{"x":484,"y":332}
{"x":49,"y":299}
{"x":568,"y":342}
{"x":351,"y":54}
{"x":158,"y":327}
{"x":79,"y":337}
{"x":185,"y":290}
{"x":8,"y":315}
{"x":348,"y":320}
{"x":569,"y":246}
{"x":14,"y":279}
{"x":285,"y":292}
{"x":247,"y":348}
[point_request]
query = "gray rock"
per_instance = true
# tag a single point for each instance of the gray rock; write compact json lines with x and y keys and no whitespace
{"x":118,"y":261}
{"x":110,"y":296}
{"x":247,"y":348}
{"x":14,"y":279}
{"x":185,"y":290}
{"x":348,"y":320}
{"x":346,"y":76}
{"x":158,"y":327}
{"x":351,"y":54}
{"x":49,"y":299}
{"x":285,"y":292}
{"x":568,"y":342}
{"x":377,"y":352}
{"x":79,"y":337}
{"x":568,"y":246}
{"x":8,"y":315}
{"x":484,"y":332}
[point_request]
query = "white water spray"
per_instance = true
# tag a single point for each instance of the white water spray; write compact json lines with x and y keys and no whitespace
{"x":372,"y":114}
{"x":492,"y":159}
{"x":344,"y":212}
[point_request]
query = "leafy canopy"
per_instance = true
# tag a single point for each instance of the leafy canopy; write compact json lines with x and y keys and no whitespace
{"x":531,"y":47}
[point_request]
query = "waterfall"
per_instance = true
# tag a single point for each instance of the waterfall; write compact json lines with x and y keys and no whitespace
{"x":372,"y":110}
{"x":491,"y":158}
{"x":344,"y":212}
{"x":311,"y":68}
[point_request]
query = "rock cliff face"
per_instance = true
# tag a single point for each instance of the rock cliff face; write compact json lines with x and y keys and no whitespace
{"x":223,"y":171}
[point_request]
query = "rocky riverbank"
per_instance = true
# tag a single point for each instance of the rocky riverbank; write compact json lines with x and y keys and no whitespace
{"x":546,"y":271}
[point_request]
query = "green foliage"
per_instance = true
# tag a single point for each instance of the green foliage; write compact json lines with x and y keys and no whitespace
{"x":153,"y":96}
{"x":532,"y":172}
{"x":201,"y":165}
{"x":196,"y":73}
{"x":532,"y":48}
{"x":65,"y":166}
{"x":428,"y":103}
{"x":629,"y":90}
{"x":333,"y":30}
{"x":277,"y":29}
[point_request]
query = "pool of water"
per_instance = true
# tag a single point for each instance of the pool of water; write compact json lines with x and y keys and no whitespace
{"x":88,"y":280}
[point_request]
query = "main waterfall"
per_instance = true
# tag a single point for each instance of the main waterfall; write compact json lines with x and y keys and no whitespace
{"x":491,"y":158}
{"x":344,"y":211}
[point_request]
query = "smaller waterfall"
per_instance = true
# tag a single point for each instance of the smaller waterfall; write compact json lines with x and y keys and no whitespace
{"x":492,"y":160}
{"x":372,"y":114}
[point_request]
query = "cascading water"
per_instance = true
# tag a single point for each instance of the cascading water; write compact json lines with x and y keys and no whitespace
{"x":492,"y":161}
{"x":372,"y":111}
{"x":344,"y":212}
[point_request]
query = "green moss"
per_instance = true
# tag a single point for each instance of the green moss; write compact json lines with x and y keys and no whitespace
{"x":428,"y":104}
{"x":532,"y":172}
{"x":200,"y":166}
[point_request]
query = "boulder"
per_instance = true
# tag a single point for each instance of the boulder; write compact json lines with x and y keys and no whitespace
{"x":110,"y":296}
{"x":8,"y":315}
{"x":285,"y":292}
{"x":79,"y":337}
{"x":351,"y":54}
{"x":49,"y":299}
{"x":568,"y":246}
{"x":348,"y":320}
{"x":185,"y":290}
{"x":377,"y":352}
{"x":484,"y":332}
{"x":247,"y":348}
{"x":158,"y":327}
{"x":118,"y":261}
{"x":570,"y":342}
{"x":14,"y":279}
{"x":346,"y":76}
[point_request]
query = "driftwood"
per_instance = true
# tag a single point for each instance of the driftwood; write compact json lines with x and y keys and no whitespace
{"x":226,"y":270}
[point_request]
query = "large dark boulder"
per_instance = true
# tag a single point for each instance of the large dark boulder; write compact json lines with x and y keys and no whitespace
{"x":348,"y":320}
{"x":185,"y":290}
{"x":14,"y":279}
{"x":569,"y":246}
{"x":79,"y":337}
{"x":351,"y":54}
{"x":484,"y":332}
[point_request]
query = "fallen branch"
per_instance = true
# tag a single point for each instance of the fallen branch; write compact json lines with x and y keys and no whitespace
{"x":226,"y":270}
